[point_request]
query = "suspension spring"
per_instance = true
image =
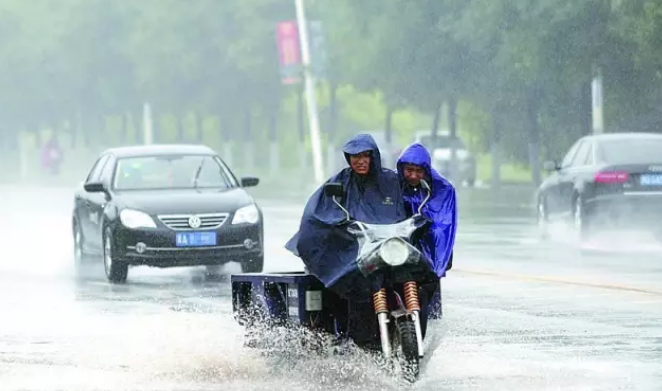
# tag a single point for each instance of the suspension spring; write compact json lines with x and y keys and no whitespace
{"x":379,"y":299}
{"x":411,"y":296}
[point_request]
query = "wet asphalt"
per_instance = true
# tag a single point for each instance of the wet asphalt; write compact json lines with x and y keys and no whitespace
{"x":519,"y":313}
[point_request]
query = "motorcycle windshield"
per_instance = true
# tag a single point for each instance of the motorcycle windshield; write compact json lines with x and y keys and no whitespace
{"x":371,"y":237}
{"x":366,"y":233}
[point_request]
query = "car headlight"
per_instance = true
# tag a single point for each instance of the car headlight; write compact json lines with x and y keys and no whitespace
{"x":248,"y":214}
{"x":394,"y":252}
{"x":136,"y":219}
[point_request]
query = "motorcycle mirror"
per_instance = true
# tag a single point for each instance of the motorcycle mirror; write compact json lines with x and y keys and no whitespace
{"x":425,"y":184}
{"x":336,"y":191}
{"x":333,"y":189}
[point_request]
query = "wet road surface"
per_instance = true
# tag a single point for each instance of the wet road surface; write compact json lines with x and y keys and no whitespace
{"x":518,"y":315}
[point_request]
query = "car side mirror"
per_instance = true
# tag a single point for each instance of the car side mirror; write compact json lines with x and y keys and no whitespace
{"x":249,"y":181}
{"x":95,"y":187}
{"x":334,"y":190}
{"x":550,"y":165}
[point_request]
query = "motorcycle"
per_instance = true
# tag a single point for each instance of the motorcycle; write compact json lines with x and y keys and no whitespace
{"x":388,"y":257}
{"x":402,"y":280}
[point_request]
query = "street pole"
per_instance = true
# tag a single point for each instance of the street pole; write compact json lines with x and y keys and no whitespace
{"x":148,"y":131}
{"x":597,"y":99}
{"x":313,"y":119}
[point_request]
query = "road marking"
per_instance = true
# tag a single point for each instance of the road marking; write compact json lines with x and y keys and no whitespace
{"x":557,"y":280}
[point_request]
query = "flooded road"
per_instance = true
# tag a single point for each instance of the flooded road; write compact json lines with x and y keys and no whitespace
{"x":518,"y":315}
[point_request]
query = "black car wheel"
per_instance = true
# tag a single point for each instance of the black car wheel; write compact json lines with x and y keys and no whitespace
{"x":80,"y":257}
{"x":116,"y":272}
{"x":253,"y":265}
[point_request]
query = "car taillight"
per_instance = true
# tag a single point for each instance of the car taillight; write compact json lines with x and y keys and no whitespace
{"x":612,"y":177}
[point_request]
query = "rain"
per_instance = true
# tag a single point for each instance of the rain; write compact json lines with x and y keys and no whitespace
{"x":547,"y":291}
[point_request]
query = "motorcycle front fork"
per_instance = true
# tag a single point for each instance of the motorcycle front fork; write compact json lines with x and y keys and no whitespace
{"x":381,"y":309}
{"x":412,"y":308}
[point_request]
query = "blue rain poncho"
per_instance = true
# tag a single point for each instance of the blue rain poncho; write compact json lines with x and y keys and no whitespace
{"x":437,"y":243}
{"x":328,"y":251}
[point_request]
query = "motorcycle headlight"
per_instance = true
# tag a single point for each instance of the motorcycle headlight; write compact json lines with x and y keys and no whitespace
{"x":248,"y":214}
{"x":136,"y":219}
{"x":394,"y":252}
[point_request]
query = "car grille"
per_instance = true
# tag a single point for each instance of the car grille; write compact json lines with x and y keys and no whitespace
{"x":181,"y":222}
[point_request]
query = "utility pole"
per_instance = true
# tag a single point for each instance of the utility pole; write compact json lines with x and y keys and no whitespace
{"x":597,"y":106}
{"x":148,"y":131}
{"x":313,"y":119}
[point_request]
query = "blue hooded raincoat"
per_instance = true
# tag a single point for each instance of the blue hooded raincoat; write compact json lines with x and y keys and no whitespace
{"x":441,"y":209}
{"x":328,"y":251}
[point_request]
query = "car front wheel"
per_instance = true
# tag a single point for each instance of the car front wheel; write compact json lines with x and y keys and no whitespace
{"x":80,"y":257}
{"x":116,"y":271}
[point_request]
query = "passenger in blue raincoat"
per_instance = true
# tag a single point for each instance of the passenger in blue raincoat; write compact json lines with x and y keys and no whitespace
{"x":372,"y":195}
{"x":437,"y":242}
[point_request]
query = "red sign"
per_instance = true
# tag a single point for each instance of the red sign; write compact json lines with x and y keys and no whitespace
{"x":287,"y":37}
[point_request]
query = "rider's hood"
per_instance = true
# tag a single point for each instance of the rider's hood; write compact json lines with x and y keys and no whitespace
{"x":415,"y":154}
{"x":363,"y":143}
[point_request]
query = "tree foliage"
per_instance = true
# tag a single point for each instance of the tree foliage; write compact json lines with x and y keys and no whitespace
{"x":505,"y":54}
{"x":529,"y":62}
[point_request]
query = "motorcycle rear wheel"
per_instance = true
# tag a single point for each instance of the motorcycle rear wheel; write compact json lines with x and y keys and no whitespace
{"x":410,"y":361}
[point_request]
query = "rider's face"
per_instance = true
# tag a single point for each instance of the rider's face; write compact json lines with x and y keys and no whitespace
{"x":360,"y":162}
{"x":413,"y":174}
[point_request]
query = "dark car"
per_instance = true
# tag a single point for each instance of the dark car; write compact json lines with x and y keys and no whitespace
{"x":610,"y":179}
{"x":166,"y":206}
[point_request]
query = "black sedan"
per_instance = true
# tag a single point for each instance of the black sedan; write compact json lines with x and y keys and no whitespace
{"x":166,"y":206}
{"x":608,"y":180}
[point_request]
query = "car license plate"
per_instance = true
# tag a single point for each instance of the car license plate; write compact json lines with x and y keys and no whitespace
{"x":195,"y":239}
{"x":650,"y":180}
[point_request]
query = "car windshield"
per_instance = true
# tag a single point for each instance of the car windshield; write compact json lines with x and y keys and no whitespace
{"x":631,"y":151}
{"x":171,"y":172}
{"x":442,"y":141}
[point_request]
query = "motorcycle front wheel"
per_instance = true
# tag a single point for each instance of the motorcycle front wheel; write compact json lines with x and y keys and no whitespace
{"x":410,"y":361}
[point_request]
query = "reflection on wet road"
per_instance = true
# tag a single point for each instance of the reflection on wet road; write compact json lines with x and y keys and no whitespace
{"x":519,"y":315}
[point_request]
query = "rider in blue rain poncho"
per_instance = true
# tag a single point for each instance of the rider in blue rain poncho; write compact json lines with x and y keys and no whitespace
{"x":437,"y":243}
{"x":372,"y":195}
